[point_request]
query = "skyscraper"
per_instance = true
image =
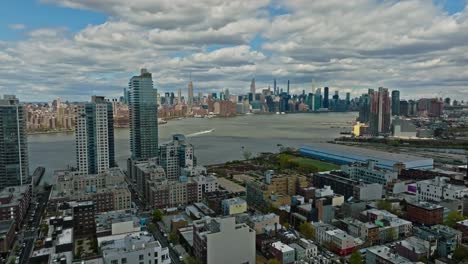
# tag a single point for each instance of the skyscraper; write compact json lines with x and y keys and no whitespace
{"x":14,"y":166}
{"x":396,"y":103}
{"x":288,"y":86}
{"x":143,"y":115}
{"x":379,"y":111}
{"x":95,"y":151}
{"x":252,"y":87}
{"x":326,"y":103}
{"x":364,"y":107}
{"x":179,"y":96}
{"x":275,"y":92}
{"x":318,"y":99}
{"x":190,"y":93}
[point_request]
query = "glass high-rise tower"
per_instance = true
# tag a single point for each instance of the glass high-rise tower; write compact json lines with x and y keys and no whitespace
{"x":143,"y":114}
{"x":396,"y":103}
{"x":14,"y":166}
{"x":95,"y":151}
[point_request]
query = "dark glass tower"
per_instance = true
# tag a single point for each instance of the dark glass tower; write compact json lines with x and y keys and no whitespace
{"x":143,"y":114}
{"x":14,"y":166}
{"x":396,"y":103}
{"x":326,"y":102}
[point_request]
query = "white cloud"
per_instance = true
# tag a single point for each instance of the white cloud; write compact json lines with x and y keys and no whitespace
{"x":351,"y":45}
{"x":17,"y":26}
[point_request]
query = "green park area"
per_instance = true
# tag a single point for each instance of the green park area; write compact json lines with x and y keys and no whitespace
{"x":288,"y":161}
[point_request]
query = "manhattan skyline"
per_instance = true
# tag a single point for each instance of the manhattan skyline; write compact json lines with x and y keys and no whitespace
{"x":75,"y":49}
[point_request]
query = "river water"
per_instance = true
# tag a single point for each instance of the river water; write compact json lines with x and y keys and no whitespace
{"x":215,"y":140}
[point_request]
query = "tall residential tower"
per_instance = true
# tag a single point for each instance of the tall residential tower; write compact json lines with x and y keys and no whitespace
{"x":396,"y":103}
{"x":143,"y":114}
{"x":380,"y":111}
{"x":14,"y":166}
{"x":95,"y":152}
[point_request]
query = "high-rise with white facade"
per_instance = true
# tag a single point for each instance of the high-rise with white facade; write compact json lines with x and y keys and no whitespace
{"x":143,"y":114}
{"x":95,"y":151}
{"x":14,"y":166}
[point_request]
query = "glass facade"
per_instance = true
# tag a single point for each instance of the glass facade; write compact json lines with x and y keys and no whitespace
{"x":143,"y":114}
{"x":14,"y":166}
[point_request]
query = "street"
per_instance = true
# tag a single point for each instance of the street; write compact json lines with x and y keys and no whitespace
{"x":31,"y":228}
{"x":165,"y":243}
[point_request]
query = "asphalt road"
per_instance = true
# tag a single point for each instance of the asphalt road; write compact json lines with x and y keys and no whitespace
{"x":30,"y":235}
{"x":165,"y":243}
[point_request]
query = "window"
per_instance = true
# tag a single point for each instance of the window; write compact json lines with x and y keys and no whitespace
{"x":124,"y":260}
{"x":141,"y":257}
{"x":114,"y":261}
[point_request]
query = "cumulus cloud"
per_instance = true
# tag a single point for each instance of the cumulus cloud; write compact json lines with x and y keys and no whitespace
{"x":17,"y":26}
{"x":414,"y":45}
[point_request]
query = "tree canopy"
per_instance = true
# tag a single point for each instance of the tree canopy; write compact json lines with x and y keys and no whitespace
{"x":157,"y":215}
{"x":356,"y":258}
{"x":307,"y":230}
{"x":452,"y":218}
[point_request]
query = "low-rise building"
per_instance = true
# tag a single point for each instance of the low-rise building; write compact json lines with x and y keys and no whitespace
{"x":14,"y":203}
{"x":369,"y":173}
{"x":7,"y":235}
{"x":384,"y":255}
{"x":413,"y":248}
{"x":264,"y":223}
{"x":309,"y":246}
{"x":439,"y":189}
{"x":111,"y":224}
{"x":342,"y":243}
{"x":425,"y":213}
{"x":135,"y":248}
{"x":282,"y":252}
{"x":260,"y":193}
{"x":462,"y":226}
{"x":234,"y":206}
{"x":445,"y":238}
{"x":299,"y":251}
{"x":108,"y":190}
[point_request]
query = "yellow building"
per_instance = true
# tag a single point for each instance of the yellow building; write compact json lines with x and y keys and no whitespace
{"x":234,"y":206}
{"x":359,"y":129}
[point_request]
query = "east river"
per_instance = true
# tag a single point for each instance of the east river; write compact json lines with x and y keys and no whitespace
{"x":215,"y":140}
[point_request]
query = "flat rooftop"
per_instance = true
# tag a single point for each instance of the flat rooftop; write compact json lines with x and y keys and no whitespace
{"x":230,"y":186}
{"x":349,"y":154}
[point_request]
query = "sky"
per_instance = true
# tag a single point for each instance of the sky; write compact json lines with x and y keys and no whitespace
{"x":74,"y":49}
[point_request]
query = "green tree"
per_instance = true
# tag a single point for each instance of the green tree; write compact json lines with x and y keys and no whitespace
{"x":174,"y":238}
{"x":392,"y":234}
{"x":44,"y":229}
{"x":307,"y":230}
{"x":191,"y":260}
{"x":356,"y":258}
{"x":151,"y":227}
{"x":452,"y":218}
{"x":273,"y":261}
{"x":460,"y":254}
{"x":157,"y":215}
{"x":384,"y":205}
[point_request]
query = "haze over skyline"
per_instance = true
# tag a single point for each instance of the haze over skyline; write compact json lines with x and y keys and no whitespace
{"x":76,"y":48}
